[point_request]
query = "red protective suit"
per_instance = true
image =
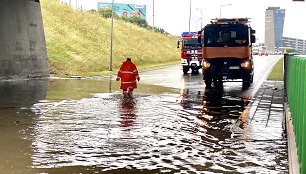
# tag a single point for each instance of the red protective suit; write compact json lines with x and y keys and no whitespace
{"x":128,"y":73}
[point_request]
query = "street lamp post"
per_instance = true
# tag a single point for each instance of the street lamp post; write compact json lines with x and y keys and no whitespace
{"x":197,"y":23}
{"x":189,"y":15}
{"x":201,"y":16}
{"x":111,"y":43}
{"x":223,"y":5}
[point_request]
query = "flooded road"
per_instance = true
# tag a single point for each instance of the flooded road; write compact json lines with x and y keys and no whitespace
{"x":172,"y":125}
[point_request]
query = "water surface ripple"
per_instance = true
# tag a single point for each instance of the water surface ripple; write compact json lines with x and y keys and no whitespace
{"x":188,"y":133}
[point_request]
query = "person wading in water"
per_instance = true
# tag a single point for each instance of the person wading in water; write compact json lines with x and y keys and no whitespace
{"x":128,"y":74}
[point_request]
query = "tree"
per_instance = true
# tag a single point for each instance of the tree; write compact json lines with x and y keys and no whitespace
{"x":107,"y":13}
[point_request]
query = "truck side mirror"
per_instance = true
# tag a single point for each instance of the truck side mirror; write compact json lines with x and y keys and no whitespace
{"x":178,"y":44}
{"x":253,"y":31}
{"x":253,"y":39}
{"x":199,"y":37}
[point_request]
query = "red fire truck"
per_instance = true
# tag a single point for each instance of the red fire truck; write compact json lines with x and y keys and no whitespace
{"x":191,"y":51}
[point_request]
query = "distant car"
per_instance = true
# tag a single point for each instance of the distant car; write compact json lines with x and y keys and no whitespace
{"x":263,"y":53}
{"x":255,"y":52}
{"x":278,"y":52}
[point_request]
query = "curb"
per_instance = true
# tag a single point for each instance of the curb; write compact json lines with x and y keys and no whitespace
{"x":292,"y":150}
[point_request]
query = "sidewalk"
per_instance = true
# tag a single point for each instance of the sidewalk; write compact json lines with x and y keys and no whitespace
{"x":266,"y":113}
{"x":267,"y":121}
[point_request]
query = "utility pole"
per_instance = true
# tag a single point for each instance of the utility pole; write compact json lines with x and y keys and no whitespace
{"x":111,"y":43}
{"x":153,"y":13}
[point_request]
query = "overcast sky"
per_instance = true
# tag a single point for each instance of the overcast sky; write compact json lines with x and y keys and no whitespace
{"x":173,"y":15}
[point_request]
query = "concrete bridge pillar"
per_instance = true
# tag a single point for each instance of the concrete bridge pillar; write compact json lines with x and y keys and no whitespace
{"x":22,"y":41}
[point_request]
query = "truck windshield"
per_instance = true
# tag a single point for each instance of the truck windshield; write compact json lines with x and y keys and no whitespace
{"x":191,"y":44}
{"x":226,"y":35}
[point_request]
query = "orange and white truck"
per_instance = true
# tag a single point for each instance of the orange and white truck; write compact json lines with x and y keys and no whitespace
{"x":191,"y":51}
{"x":227,"y":51}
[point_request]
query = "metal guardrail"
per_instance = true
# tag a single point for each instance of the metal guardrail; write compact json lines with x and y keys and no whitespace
{"x":295,"y":95}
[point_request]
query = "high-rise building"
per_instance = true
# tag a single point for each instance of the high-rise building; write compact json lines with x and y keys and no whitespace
{"x":274,"y":24}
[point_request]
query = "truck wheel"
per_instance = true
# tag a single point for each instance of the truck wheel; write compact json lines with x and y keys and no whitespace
{"x":246,"y":82}
{"x":185,"y":70}
{"x":208,"y":83}
{"x":218,"y":83}
{"x":195,"y":71}
{"x":251,"y":79}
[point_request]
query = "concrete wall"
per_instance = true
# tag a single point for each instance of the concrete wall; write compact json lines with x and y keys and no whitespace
{"x":22,"y":41}
{"x":22,"y":93}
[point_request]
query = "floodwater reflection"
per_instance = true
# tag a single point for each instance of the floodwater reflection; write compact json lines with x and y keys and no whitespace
{"x":17,"y":122}
{"x":217,"y":113}
{"x":221,"y":123}
{"x":83,"y":128}
{"x":22,"y":93}
{"x":127,"y":113}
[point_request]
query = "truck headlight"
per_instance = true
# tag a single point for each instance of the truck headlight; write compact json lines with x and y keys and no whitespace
{"x":246,"y":64}
{"x":205,"y":64}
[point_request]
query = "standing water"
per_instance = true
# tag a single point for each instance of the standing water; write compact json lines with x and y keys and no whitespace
{"x":84,"y":126}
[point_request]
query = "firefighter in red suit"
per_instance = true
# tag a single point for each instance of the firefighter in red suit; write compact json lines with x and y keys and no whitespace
{"x":128,"y":74}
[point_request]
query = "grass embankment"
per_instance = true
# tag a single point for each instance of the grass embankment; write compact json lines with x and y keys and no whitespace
{"x":277,"y":72}
{"x":78,"y":43}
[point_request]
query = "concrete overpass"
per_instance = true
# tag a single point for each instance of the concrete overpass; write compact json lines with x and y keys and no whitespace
{"x":22,"y":41}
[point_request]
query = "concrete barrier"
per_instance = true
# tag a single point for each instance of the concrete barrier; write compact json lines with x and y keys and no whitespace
{"x":22,"y":45}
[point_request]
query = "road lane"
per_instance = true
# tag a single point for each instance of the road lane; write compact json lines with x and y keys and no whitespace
{"x":173,"y":76}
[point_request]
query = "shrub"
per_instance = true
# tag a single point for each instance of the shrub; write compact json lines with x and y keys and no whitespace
{"x":107,"y":13}
{"x":136,"y":20}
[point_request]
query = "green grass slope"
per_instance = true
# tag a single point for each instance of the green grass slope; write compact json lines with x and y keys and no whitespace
{"x":277,"y":72}
{"x":78,"y":43}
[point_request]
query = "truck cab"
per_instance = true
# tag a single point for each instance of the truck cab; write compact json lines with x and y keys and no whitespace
{"x":191,"y":51}
{"x":227,"y":51}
